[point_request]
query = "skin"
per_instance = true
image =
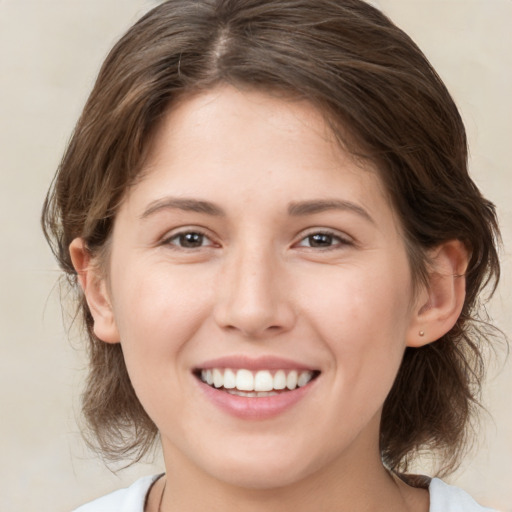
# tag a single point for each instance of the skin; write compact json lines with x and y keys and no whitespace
{"x":257,"y":283}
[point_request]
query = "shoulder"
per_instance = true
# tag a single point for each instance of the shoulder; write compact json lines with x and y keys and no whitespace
{"x":131,"y":499}
{"x":447,"y":498}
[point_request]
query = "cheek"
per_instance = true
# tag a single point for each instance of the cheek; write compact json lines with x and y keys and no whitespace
{"x":363,"y":317}
{"x":158,"y":301}
{"x":157,"y":312}
{"x":361,"y":300}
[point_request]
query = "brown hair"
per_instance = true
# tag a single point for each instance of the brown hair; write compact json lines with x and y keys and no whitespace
{"x":373,"y":83}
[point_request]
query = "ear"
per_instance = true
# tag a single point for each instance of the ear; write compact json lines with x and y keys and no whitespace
{"x":95,"y":290}
{"x":439,"y":304}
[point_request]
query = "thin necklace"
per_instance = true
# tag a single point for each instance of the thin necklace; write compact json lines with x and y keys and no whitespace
{"x":162,"y":497}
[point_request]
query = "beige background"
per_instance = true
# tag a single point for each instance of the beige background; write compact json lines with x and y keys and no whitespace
{"x":50,"y":52}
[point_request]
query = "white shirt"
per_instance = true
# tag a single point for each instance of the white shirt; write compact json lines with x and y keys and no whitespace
{"x":443,"y":498}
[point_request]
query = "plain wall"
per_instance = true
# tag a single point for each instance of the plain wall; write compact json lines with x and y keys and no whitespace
{"x":50,"y":52}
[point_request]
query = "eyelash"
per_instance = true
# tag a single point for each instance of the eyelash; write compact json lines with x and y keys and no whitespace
{"x":182,"y":234}
{"x":341,"y":241}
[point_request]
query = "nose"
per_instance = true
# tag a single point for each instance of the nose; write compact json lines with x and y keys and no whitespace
{"x":252,"y":296}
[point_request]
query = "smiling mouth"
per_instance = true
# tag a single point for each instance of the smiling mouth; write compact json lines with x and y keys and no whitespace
{"x":261,"y":383}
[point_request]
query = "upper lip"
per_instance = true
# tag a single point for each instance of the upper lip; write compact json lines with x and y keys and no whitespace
{"x":254,"y":363}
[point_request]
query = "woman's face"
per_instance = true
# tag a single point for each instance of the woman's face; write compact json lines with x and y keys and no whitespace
{"x":256,"y":252}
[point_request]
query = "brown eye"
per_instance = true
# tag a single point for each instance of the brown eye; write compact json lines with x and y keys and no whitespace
{"x":320,"y":240}
{"x":189,"y":240}
{"x":323,"y":240}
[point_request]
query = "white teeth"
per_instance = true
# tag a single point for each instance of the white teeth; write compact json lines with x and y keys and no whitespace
{"x":244,"y":380}
{"x":280,"y":380}
{"x":304,"y":378}
{"x":229,"y":379}
{"x":218,"y":379}
{"x":263,"y":381}
{"x":252,"y":393}
{"x":291,"y":380}
{"x":260,"y":383}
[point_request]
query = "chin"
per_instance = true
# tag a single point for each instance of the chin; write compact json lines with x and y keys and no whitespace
{"x":259,"y":472}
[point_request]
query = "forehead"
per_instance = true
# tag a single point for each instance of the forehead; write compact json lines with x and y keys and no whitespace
{"x":250,"y":117}
{"x":227,"y":141}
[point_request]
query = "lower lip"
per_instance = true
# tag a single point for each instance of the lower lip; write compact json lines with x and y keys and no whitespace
{"x":255,"y":408}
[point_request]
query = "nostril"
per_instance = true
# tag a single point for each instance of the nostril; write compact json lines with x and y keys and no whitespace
{"x":251,"y":301}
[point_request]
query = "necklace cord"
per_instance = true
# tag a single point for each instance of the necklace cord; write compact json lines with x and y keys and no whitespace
{"x":162,"y":497}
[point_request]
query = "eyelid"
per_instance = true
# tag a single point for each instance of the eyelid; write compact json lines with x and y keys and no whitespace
{"x":182,"y":230}
{"x":342,"y":237}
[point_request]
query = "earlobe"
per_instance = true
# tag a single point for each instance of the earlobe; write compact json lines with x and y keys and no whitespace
{"x":94,"y":286}
{"x":440,"y":303}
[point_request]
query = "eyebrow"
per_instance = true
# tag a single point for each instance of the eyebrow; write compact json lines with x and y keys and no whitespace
{"x":321,"y":205}
{"x":186,"y":204}
{"x":295,"y":209}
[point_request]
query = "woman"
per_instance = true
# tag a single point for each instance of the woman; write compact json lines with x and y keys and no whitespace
{"x":267,"y":207}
